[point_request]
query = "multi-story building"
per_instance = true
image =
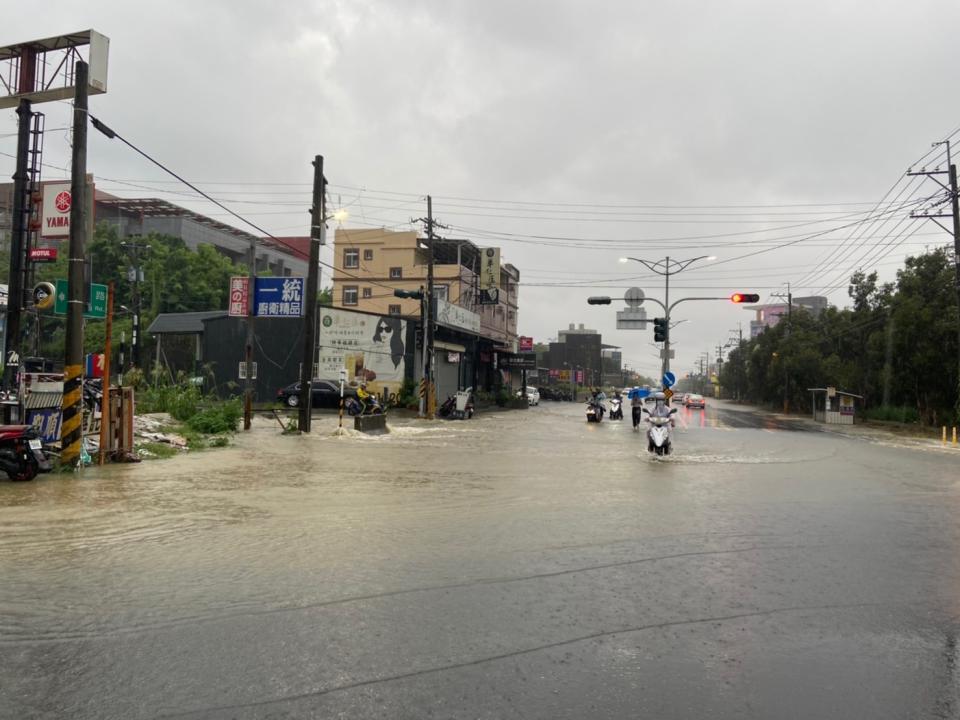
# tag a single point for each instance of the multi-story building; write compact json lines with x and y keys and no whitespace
{"x":578,"y":349}
{"x":143,"y":216}
{"x":767,"y":316}
{"x":370,"y":264}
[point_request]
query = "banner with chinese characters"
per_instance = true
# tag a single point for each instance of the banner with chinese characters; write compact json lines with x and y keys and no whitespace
{"x":278,"y":297}
{"x":239,"y":296}
{"x":489,"y":268}
{"x":372,"y":348}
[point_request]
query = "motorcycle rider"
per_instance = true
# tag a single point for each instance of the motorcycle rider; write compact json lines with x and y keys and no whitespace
{"x":660,"y":408}
{"x":364,"y":397}
{"x":596,"y":399}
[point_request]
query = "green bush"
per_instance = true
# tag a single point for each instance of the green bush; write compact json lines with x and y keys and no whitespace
{"x":181,"y":400}
{"x":216,"y":419}
{"x":890,"y":413}
{"x":408,"y":396}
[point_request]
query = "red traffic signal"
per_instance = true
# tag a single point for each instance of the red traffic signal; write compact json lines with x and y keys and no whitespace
{"x":744,"y":298}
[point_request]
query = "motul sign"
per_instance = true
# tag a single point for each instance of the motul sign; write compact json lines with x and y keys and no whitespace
{"x":55,"y":220}
{"x":43,"y":254}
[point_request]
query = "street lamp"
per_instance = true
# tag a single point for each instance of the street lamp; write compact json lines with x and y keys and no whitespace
{"x":666,"y":268}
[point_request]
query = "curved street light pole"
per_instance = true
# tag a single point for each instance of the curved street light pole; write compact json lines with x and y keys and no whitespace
{"x":665,"y":268}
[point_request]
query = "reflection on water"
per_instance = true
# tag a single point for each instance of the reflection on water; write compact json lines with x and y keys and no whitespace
{"x":278,"y":523}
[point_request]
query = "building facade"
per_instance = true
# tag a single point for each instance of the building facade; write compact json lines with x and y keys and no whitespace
{"x":143,"y":216}
{"x":369,"y":264}
{"x":767,"y":316}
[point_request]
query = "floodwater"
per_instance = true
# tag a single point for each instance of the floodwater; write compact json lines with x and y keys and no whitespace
{"x":520,"y":564}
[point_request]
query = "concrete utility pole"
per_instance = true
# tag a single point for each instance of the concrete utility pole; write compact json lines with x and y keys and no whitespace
{"x":251,"y":337}
{"x":317,"y":238}
{"x":137,"y":276}
{"x":719,"y":370}
{"x":954,"y":214}
{"x":71,"y":431}
{"x":431,"y":401}
{"x":786,"y":373}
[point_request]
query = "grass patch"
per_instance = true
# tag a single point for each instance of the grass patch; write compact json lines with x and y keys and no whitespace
{"x":890,"y":413}
{"x":157,"y":450}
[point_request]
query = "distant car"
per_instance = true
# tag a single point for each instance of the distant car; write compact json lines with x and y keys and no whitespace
{"x":696,"y":401}
{"x":326,"y":394}
{"x":533,"y":395}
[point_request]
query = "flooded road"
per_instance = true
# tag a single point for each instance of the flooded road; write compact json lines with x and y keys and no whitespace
{"x":521,"y":564}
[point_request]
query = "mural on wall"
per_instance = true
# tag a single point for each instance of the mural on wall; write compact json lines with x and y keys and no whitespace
{"x":372,"y":348}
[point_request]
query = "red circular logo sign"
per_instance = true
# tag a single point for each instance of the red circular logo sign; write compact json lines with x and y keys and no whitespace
{"x":62,"y":201}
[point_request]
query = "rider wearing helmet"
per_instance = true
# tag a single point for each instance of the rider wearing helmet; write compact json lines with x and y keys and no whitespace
{"x":363,"y":396}
{"x":660,"y":407}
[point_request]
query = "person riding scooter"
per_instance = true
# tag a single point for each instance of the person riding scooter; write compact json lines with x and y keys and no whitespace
{"x":365,"y":398}
{"x":596,"y":399}
{"x":660,"y":407}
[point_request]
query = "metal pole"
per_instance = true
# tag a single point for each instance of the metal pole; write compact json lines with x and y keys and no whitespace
{"x":20,"y":227}
{"x":666,"y":302}
{"x":71,"y":431}
{"x":317,"y":238}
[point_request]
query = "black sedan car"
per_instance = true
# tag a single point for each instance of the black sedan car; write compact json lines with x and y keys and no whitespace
{"x":326,"y":394}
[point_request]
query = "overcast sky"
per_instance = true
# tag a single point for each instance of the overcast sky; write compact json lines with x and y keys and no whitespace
{"x":569,"y":134}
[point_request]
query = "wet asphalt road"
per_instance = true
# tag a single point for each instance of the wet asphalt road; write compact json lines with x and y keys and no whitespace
{"x":518,"y":565}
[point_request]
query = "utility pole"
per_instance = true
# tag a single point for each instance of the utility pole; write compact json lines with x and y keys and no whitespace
{"x":105,"y":405}
{"x":20,"y":226}
{"x":318,"y":218}
{"x":786,"y":373}
{"x":954,"y":214}
{"x":71,"y":431}
{"x":248,"y":347}
{"x":719,"y":370}
{"x":136,"y":276}
{"x":431,"y":402}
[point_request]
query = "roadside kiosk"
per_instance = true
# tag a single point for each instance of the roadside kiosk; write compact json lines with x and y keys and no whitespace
{"x":834,"y":407}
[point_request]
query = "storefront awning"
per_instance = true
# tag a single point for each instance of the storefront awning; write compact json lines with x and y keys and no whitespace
{"x":448,"y":346}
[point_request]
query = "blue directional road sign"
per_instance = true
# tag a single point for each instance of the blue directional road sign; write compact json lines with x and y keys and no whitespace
{"x":278,"y":297}
{"x":669,"y":379}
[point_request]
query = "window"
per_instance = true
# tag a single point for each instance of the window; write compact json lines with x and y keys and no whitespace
{"x":351,"y":259}
{"x":441,"y":291}
{"x":396,"y":273}
{"x":349,"y":294}
{"x":368,"y":254}
{"x":367,"y":293}
{"x":394,"y":309}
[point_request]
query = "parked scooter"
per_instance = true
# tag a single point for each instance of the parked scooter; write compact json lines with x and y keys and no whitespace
{"x":616,"y":409}
{"x":458,"y":406}
{"x":660,"y":430}
{"x":21,"y":452}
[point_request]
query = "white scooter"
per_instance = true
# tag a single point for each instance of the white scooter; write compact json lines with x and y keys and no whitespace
{"x":660,"y":432}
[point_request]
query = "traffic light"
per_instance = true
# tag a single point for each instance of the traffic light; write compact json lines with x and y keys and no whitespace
{"x":660,"y":330}
{"x":413,"y":294}
{"x":418,"y":336}
{"x":744,"y":298}
{"x":598,"y":300}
